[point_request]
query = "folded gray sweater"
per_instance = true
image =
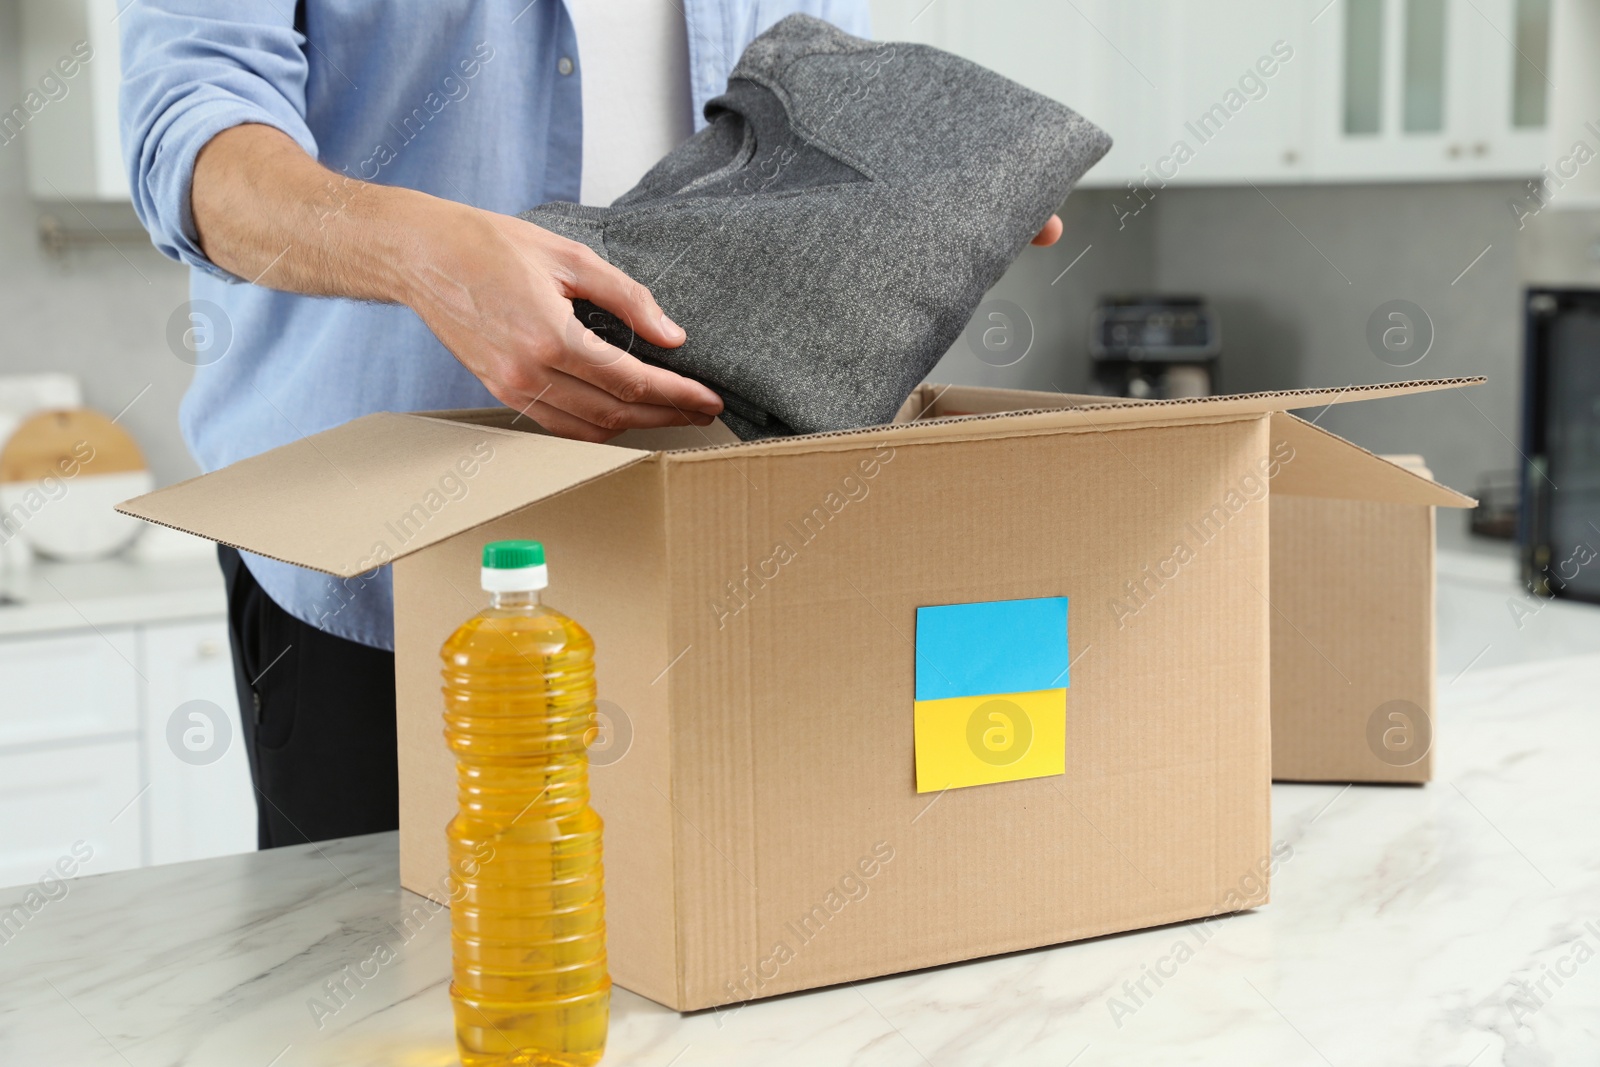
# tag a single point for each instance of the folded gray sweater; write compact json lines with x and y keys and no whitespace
{"x":824,"y":240}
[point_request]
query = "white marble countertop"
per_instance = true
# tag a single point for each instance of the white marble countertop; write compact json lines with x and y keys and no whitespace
{"x":1399,"y":930}
{"x":126,"y":590}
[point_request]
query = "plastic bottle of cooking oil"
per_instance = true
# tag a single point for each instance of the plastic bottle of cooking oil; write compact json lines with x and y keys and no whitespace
{"x":527,"y":927}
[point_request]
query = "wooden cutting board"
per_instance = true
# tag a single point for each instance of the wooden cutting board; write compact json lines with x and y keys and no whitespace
{"x":43,"y":442}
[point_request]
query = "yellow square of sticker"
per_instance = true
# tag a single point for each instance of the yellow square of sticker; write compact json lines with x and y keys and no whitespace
{"x":1005,"y":737}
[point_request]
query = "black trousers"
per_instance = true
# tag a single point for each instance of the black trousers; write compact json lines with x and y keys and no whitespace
{"x":318,"y":720}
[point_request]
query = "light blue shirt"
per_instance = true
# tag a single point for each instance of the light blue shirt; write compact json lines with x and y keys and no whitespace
{"x":463,"y":99}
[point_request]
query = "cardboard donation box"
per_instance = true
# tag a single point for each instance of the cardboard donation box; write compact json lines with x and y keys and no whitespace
{"x":1353,"y":639}
{"x":872,"y":700}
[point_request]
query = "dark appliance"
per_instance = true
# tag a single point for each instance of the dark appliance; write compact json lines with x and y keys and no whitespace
{"x":1560,"y":514}
{"x":1153,"y":347}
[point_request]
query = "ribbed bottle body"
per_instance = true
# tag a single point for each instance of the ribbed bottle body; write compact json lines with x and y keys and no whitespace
{"x":529,"y":980}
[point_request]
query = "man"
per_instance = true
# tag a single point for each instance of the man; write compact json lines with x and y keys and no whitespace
{"x":340,"y":175}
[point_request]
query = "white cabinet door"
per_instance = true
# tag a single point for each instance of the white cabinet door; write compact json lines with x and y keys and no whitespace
{"x":1235,"y":91}
{"x":69,"y":753}
{"x":1514,"y":83}
{"x":69,"y":686}
{"x":201,"y":802}
{"x":70,"y":50}
{"x":1099,"y":57}
{"x":1393,"y":78}
{"x":1102,"y":58}
{"x":1233,"y":77}
{"x":1572,"y":118}
{"x":1429,"y":89}
{"x":55,"y":798}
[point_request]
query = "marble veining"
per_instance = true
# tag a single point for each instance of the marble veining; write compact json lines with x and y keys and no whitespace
{"x":1455,"y":924}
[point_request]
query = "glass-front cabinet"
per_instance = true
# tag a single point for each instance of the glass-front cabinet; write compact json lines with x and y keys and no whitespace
{"x":1431,"y":88}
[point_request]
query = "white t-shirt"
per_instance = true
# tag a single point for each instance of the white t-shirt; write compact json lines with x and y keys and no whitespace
{"x":634,"y":56}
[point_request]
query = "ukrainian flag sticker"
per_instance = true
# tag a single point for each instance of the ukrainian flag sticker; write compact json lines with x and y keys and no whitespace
{"x":991,"y":701}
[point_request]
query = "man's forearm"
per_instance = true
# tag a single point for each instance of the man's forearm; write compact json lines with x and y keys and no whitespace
{"x":495,"y":290}
{"x":269,"y":213}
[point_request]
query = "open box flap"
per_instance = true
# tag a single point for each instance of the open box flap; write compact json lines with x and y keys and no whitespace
{"x":397,"y":480}
{"x":1326,"y":465}
{"x":991,"y":413}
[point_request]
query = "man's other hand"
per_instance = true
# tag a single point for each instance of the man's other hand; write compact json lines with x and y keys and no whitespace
{"x":1050,"y":234}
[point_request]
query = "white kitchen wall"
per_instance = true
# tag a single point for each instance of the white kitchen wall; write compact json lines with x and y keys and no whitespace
{"x":99,"y":312}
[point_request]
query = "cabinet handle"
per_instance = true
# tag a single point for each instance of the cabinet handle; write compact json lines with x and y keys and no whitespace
{"x":1290,"y":156}
{"x":1481,"y":148}
{"x":1454,"y":151}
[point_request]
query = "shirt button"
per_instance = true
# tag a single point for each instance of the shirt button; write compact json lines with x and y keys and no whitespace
{"x":564,"y":65}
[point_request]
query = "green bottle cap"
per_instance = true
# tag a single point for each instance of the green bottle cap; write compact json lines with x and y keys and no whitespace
{"x":512,"y":555}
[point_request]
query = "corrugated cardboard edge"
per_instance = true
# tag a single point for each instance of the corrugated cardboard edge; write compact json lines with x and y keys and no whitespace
{"x":669,"y":615}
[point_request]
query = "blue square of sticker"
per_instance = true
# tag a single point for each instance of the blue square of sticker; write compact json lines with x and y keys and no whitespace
{"x":997,"y":646}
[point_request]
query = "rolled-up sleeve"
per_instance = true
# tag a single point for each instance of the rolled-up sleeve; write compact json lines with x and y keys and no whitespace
{"x":189,"y":71}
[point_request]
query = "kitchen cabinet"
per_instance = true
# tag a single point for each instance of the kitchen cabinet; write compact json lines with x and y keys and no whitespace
{"x":1191,"y":91}
{"x":1360,"y":90}
{"x":1234,"y":84}
{"x":70,"y":686}
{"x":66,"y":117}
{"x":103,"y":670}
{"x":69,"y":752}
{"x":55,"y":798}
{"x":1097,"y":56}
{"x":1430,"y":89}
{"x":1574,"y":121}
{"x":1222,"y":92}
{"x":200,"y":802}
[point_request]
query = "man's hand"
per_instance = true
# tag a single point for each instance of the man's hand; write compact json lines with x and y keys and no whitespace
{"x":495,"y":290}
{"x":498,"y":292}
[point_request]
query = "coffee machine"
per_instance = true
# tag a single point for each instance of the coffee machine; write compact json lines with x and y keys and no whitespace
{"x":1154,"y":347}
